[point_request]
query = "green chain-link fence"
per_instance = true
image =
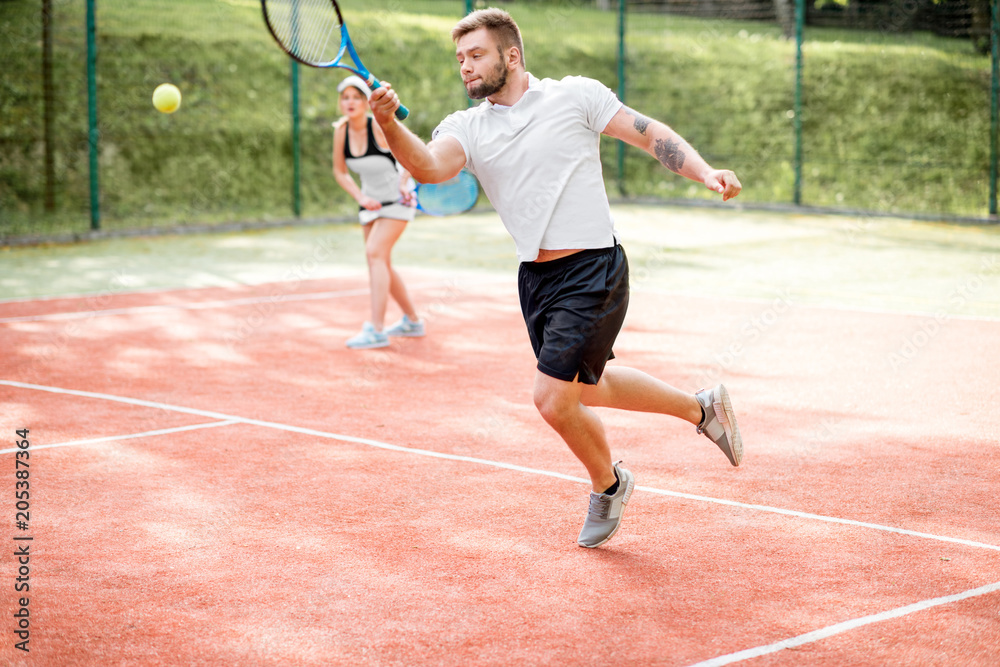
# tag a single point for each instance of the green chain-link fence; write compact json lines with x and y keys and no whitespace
{"x":890,"y":111}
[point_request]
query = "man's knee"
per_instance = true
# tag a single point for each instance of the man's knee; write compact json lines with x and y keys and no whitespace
{"x":555,"y":399}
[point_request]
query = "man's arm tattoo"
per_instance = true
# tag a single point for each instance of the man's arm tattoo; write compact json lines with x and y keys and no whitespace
{"x":640,"y":123}
{"x":670,"y":154}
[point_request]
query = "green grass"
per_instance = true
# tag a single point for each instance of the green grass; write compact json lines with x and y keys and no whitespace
{"x":892,"y":123}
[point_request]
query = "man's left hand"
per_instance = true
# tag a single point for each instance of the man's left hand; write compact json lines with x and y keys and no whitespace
{"x":724,"y":182}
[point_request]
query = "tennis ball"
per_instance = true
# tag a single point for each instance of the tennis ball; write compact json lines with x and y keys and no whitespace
{"x":167,"y":98}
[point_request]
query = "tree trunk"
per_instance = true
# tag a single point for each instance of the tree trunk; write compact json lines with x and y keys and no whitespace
{"x":784,"y":10}
{"x":980,"y":29}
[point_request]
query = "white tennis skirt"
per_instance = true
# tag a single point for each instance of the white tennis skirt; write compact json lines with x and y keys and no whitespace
{"x":394,"y":211}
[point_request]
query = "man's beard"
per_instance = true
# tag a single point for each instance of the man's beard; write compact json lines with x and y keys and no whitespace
{"x":492,"y":86}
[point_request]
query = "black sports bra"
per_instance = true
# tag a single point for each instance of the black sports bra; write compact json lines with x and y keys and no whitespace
{"x":373,"y":148}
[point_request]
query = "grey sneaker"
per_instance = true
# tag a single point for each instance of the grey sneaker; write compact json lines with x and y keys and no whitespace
{"x":605,"y":513}
{"x":368,"y":338}
{"x":719,"y":424}
{"x":407,"y":328}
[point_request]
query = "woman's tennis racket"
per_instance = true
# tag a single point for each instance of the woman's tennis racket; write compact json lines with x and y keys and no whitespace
{"x":456,"y":195}
{"x":313,"y":32}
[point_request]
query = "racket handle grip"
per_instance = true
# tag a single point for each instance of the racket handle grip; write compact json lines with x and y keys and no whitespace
{"x":402,"y":112}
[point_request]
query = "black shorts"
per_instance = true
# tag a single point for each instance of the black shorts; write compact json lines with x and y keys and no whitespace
{"x":574,"y":308}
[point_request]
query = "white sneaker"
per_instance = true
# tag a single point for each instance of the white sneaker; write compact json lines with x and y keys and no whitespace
{"x":719,"y":424}
{"x":406,"y":328}
{"x":368,"y":338}
{"x":604,"y":516}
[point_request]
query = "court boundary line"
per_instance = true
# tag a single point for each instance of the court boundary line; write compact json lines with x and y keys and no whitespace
{"x":863,"y":310}
{"x":127,"y":436}
{"x":493,"y":278}
{"x":220,"y":303}
{"x":819,"y":517}
{"x":486,"y":462}
{"x":203,"y":305}
{"x":845,"y":626}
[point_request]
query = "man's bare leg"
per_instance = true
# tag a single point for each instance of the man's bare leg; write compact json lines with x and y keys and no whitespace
{"x":559,"y":404}
{"x":630,"y":389}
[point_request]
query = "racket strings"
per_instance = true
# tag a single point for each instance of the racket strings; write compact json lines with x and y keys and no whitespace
{"x":450,"y":197}
{"x":305,"y":28}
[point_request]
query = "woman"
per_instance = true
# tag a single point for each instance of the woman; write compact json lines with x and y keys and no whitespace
{"x":386,"y":205}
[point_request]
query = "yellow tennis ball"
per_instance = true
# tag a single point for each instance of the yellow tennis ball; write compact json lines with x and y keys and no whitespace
{"x":167,"y":98}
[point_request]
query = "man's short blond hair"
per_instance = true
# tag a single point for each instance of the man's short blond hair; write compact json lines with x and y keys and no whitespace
{"x":498,"y":22}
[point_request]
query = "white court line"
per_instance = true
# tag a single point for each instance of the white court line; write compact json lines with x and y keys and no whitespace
{"x":226,"y":303}
{"x":312,"y":296}
{"x":791,"y":301}
{"x":486,"y":462}
{"x":205,"y":305}
{"x":110,"y":438}
{"x":102,"y":293}
{"x":637,"y":289}
{"x":818,"y":517}
{"x":829,"y":631}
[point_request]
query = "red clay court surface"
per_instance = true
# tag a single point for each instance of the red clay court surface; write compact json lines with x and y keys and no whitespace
{"x":216,"y":480}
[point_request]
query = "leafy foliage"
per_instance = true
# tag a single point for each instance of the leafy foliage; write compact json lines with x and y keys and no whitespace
{"x":892,"y":123}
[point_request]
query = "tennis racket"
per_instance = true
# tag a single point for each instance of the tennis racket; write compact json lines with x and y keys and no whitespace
{"x":451,"y":197}
{"x":313,"y":33}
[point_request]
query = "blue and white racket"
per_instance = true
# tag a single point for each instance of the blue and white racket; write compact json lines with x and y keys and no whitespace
{"x":451,"y":197}
{"x":313,"y":32}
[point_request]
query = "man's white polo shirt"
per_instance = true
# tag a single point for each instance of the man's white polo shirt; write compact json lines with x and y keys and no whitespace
{"x":539,"y":162}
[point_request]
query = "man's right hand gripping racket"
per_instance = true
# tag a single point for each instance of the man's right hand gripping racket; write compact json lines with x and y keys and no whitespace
{"x":313,"y":33}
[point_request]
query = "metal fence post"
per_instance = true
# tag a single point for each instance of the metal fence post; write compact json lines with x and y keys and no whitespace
{"x":468,"y":10}
{"x":800,"y":19}
{"x":92,"y":133}
{"x":994,"y":101}
{"x":49,"y":110}
{"x":621,"y":91}
{"x":296,"y":148}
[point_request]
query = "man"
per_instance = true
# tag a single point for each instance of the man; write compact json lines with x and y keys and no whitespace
{"x":534,"y":145}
